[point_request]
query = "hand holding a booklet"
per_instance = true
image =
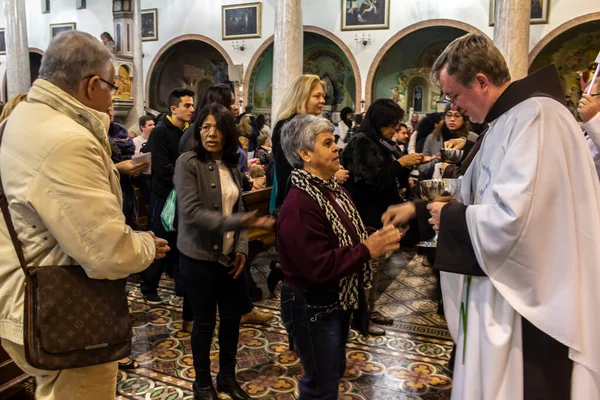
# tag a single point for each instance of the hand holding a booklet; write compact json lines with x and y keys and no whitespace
{"x":128,"y":167}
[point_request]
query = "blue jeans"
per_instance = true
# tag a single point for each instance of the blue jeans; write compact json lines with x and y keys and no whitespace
{"x":319,"y":328}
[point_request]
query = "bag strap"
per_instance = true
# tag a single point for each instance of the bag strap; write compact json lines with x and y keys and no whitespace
{"x":9,"y":224}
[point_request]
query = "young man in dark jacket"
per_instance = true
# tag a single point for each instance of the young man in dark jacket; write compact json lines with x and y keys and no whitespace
{"x":163,"y":144}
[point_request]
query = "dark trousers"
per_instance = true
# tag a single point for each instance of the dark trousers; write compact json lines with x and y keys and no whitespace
{"x":246,"y":304}
{"x":208,"y":284}
{"x":151,"y":276}
{"x":547,"y":367}
{"x":320,"y":332}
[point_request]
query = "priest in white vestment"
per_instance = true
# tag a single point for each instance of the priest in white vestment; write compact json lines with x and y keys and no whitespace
{"x":521,"y":250}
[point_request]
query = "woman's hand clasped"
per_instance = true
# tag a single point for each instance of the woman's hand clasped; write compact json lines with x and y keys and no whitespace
{"x":238,"y":265}
{"x":383,"y":241}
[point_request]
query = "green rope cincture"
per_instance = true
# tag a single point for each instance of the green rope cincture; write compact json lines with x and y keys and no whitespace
{"x":464,"y":312}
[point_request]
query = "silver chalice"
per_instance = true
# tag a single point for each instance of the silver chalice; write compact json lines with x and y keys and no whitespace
{"x":438,"y":190}
{"x":451,"y":156}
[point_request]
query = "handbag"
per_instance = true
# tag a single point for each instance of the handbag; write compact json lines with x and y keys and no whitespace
{"x":70,"y":320}
{"x":167,"y":215}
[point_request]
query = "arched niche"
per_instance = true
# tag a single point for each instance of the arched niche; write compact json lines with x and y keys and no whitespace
{"x":124,"y":82}
{"x":324,"y":54}
{"x":192,"y":61}
{"x":35,"y":62}
{"x":410,"y":53}
{"x":572,"y":48}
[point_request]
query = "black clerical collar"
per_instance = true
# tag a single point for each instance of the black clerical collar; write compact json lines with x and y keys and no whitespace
{"x":544,"y":82}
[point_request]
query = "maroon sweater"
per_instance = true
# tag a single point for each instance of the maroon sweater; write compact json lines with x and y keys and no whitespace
{"x":309,"y":249}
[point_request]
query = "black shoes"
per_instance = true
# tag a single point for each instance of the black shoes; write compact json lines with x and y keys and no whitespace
{"x":230,"y":386}
{"x":275,"y":276}
{"x":153,"y":298}
{"x":207,"y":393}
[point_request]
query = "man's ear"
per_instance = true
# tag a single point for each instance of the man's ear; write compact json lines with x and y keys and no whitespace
{"x":482,"y":81}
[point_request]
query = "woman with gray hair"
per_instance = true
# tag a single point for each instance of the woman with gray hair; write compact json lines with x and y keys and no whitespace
{"x":322,"y":285}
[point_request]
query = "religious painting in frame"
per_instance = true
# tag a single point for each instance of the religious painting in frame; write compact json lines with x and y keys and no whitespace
{"x":55,"y":29}
{"x":365,"y":14}
{"x":242,"y":21}
{"x":539,"y":11}
{"x":150,"y":25}
{"x":2,"y":41}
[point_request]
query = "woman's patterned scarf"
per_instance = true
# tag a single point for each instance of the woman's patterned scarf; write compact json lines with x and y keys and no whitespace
{"x":313,"y":185}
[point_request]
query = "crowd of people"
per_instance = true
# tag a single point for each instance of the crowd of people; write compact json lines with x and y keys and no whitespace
{"x":518,"y":284}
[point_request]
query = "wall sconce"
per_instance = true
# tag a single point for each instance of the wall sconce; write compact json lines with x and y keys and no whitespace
{"x":237,"y":45}
{"x":362,"y":105}
{"x":364,"y":39}
{"x":241,"y":101}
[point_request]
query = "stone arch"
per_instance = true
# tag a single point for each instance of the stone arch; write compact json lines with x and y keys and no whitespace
{"x":556,"y":32}
{"x":174,"y":41}
{"x":32,"y":51}
{"x":311,"y":29}
{"x":400,"y":35}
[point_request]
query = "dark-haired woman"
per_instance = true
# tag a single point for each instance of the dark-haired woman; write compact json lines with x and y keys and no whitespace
{"x":213,"y":242}
{"x":344,"y":126}
{"x":454,"y":126}
{"x":377,"y":173}
{"x":220,"y":94}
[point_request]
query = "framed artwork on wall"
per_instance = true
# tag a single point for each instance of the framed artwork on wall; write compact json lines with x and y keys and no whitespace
{"x":365,"y":14}
{"x":150,"y":25}
{"x":55,"y":29}
{"x":539,"y":11}
{"x":241,"y":21}
{"x":2,"y":41}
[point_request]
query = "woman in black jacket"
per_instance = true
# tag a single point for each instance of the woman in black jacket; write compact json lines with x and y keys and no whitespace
{"x":213,"y":245}
{"x":377,"y":173}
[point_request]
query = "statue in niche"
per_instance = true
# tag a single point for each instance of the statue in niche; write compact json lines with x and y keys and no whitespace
{"x":399,"y":91}
{"x":418,"y":99}
{"x":329,"y":90}
{"x":124,"y":83}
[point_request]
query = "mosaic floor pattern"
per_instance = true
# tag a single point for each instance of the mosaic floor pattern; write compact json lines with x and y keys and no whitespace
{"x":409,"y":363}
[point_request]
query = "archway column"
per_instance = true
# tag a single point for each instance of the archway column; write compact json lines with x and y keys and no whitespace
{"x":17,"y":49}
{"x":511,"y":34}
{"x":137,"y":89}
{"x":287,"y":55}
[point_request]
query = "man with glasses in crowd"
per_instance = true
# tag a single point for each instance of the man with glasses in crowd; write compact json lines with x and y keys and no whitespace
{"x":65,"y":199}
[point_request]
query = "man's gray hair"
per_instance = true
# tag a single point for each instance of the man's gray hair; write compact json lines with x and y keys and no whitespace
{"x":72,"y":56}
{"x":301,"y":133}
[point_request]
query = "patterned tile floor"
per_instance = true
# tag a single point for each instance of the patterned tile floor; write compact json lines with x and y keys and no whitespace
{"x":409,"y":363}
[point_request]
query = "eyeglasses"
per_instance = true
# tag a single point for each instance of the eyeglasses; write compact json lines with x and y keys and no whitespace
{"x":113,"y":88}
{"x":450,"y":99}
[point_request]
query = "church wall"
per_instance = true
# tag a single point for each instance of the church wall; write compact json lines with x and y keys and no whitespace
{"x":177,"y":17}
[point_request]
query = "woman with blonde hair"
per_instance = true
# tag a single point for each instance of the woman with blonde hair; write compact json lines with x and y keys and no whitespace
{"x":305,"y":96}
{"x":11,"y":104}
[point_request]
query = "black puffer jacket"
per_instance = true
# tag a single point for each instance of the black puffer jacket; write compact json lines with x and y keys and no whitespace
{"x":375,"y":178}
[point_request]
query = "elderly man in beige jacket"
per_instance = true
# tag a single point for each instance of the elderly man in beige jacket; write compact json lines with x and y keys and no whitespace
{"x":65,"y":199}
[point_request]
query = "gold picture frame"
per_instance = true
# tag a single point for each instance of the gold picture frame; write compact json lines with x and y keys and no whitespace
{"x":56,"y":29}
{"x":359,"y":15}
{"x":241,"y":21}
{"x":150,"y":25}
{"x":539,"y":11}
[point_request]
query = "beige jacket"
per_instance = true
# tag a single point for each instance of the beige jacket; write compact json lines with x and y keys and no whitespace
{"x":64,"y":198}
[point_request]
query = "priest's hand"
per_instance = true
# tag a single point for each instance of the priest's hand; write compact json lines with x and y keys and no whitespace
{"x":399,"y":215}
{"x":435,"y":209}
{"x":589,"y":106}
